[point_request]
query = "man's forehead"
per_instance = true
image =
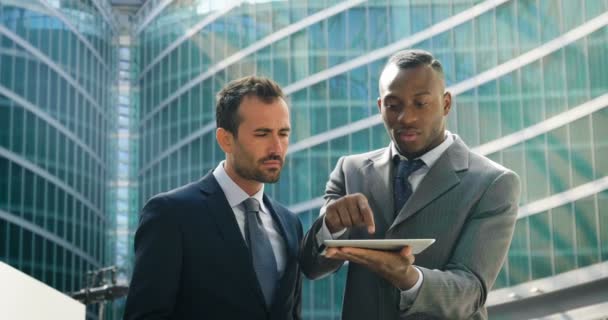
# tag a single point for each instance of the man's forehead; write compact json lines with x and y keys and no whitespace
{"x":394,"y":78}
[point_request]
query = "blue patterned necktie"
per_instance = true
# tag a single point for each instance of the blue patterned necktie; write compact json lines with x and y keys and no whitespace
{"x":402,"y":188}
{"x":264,"y":262}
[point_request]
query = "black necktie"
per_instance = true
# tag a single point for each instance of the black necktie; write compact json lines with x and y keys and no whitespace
{"x":262,"y":255}
{"x":402,"y":188}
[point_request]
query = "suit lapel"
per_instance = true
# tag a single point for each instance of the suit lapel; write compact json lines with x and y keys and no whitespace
{"x":279,"y":219}
{"x":225,"y":220}
{"x":440,"y":178}
{"x":284,"y":286}
{"x":379,"y":172}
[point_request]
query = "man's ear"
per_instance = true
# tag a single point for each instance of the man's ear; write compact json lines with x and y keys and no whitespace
{"x":379,"y":103}
{"x":225,"y":139}
{"x":447,"y":103}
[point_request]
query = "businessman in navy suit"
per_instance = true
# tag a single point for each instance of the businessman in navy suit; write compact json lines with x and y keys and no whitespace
{"x":220,"y":248}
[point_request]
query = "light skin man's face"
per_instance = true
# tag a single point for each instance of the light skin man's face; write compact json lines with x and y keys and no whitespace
{"x":414,"y":106}
{"x":256,"y":154}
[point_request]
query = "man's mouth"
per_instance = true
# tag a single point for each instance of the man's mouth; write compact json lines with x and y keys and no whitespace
{"x":273,"y":162}
{"x":408,"y":135}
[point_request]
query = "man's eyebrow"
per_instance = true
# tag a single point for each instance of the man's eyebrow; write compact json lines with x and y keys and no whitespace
{"x":390,"y":96}
{"x":265,"y":130}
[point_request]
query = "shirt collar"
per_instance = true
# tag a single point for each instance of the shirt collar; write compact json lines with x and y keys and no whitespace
{"x":234,"y":194}
{"x":432,"y":155}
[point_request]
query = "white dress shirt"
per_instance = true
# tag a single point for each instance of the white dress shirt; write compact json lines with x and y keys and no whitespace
{"x":414,"y":179}
{"x":235,"y":196}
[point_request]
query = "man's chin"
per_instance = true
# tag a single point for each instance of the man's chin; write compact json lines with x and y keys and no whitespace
{"x":408,"y":149}
{"x":270,"y":177}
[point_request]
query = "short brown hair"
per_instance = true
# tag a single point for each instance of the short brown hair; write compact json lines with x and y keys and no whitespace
{"x":230,"y":97}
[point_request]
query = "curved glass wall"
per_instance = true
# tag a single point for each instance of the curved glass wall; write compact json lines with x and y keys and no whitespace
{"x":56,"y":76}
{"x":528,"y":79}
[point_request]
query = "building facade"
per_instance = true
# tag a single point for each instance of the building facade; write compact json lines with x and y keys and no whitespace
{"x":529,"y":80}
{"x":529,"y":83}
{"x":57,"y":98}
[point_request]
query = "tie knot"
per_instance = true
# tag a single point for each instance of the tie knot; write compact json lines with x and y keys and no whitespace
{"x":251,"y":205}
{"x":405,"y":167}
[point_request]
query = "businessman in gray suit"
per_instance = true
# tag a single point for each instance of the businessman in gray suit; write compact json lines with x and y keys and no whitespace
{"x":426,"y":184}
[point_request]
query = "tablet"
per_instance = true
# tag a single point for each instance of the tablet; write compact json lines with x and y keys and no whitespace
{"x":418,"y":245}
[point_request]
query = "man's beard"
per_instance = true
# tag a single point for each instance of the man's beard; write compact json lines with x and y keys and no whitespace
{"x":258,"y":175}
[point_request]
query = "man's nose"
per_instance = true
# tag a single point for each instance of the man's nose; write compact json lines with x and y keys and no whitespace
{"x":276,"y":145}
{"x":407,"y":115}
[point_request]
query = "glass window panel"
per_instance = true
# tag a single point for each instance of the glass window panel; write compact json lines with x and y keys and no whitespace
{"x":531,"y":94}
{"x":553,"y":73}
{"x":528,"y":25}
{"x":299,"y":57}
{"x":357,"y":32}
{"x":421,"y":10}
{"x":280,"y":57}
{"x":558,"y":160}
{"x":598,"y":51}
{"x":361,"y":101}
{"x":5,"y":121}
{"x":489,"y":112}
{"x":550,"y":24}
{"x":485,"y":42}
{"x":602,"y":208}
{"x":360,"y":142}
{"x":299,"y":9}
{"x":338,"y":101}
{"x":563,"y":238}
{"x":318,"y":52}
{"x":300,"y":117}
{"x":400,"y":17}
{"x":378,"y":32}
{"x":600,"y":132}
{"x":319,"y":163}
{"x":300,"y":163}
{"x":540,"y":245}
{"x":587,"y":246}
{"x":519,"y":263}
{"x":318,"y":108}
{"x":337,"y":49}
{"x":581,"y":151}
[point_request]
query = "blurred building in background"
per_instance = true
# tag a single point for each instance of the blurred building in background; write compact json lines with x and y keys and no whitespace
{"x":104,"y":119}
{"x":61,"y":158}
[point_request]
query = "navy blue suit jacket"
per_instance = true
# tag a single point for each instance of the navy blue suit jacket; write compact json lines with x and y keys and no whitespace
{"x":191,"y":261}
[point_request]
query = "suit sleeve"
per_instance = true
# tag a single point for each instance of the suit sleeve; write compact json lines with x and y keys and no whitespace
{"x":158,"y":255}
{"x":313,"y":264}
{"x":297,"y":309}
{"x":461,"y":288}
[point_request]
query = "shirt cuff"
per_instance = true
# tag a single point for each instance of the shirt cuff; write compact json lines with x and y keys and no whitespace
{"x":408,"y":296}
{"x":325,"y":234}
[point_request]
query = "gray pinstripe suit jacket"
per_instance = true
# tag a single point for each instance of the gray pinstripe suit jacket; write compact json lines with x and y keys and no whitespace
{"x":466,"y":201}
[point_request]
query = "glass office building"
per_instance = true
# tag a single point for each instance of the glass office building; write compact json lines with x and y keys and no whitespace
{"x":57,"y":100}
{"x":529,"y":80}
{"x":530,"y":86}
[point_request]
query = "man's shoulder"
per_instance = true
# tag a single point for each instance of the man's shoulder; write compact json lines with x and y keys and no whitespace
{"x":482,"y":161}
{"x":482,"y":165}
{"x":362,"y":158}
{"x":182,"y":194}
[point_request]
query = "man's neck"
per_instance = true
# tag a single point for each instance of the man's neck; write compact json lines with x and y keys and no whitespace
{"x":250,"y":187}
